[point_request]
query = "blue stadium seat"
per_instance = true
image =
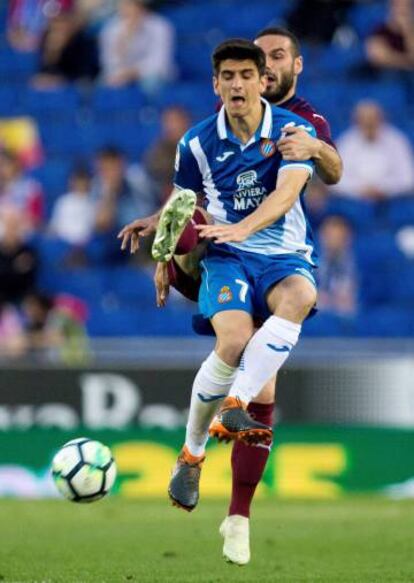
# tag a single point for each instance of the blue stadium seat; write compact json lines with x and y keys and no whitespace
{"x":53,"y":176}
{"x":197,"y":97}
{"x":379,"y":264}
{"x":117,"y":320}
{"x":385,"y":321}
{"x":128,"y":133}
{"x":131,"y":286}
{"x":62,"y":137}
{"x":325,"y":324}
{"x":365,"y":17}
{"x":392,"y":96}
{"x":359,"y":213}
{"x":401,"y":211}
{"x":106,"y":99}
{"x":62,"y":100}
{"x":9,"y":101}
{"x":191,"y":68}
{"x":16,"y":67}
{"x":86,"y":284}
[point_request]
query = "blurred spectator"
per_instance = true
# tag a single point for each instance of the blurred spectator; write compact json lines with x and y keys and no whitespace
{"x":317,"y":199}
{"x":55,"y":328}
{"x":20,"y":135}
{"x":73,"y":216}
{"x":18,"y":260}
{"x":27,"y":20}
{"x":12,"y":337}
{"x":137,"y":45}
{"x":159,"y":160}
{"x":378,"y":158}
{"x":121,"y":193}
{"x":20,"y":192}
{"x":337,"y":273}
{"x":67,"y":53}
{"x":317,"y":21}
{"x":391,"y":46}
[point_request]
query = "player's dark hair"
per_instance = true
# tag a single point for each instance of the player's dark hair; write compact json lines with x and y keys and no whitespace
{"x":238,"y":49}
{"x":280,"y":31}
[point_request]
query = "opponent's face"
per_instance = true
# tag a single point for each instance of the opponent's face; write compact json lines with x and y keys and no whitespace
{"x":240,"y":85}
{"x":282,"y":67}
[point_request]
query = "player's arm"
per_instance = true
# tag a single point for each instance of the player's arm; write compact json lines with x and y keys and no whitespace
{"x":290,"y":183}
{"x":381,"y":54}
{"x":298,"y":145}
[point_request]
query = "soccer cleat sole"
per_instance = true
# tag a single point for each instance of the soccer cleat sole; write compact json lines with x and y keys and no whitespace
{"x":249,"y":436}
{"x":177,"y":504}
{"x":173,"y":220}
{"x":230,"y":562}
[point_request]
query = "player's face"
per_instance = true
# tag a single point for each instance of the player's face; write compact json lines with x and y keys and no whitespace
{"x":239,"y":85}
{"x":282,"y":67}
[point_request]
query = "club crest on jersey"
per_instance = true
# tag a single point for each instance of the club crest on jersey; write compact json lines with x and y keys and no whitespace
{"x":225,"y":295}
{"x":267,"y":148}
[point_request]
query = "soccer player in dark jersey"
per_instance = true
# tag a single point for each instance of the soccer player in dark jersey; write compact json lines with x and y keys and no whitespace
{"x":284,"y":65}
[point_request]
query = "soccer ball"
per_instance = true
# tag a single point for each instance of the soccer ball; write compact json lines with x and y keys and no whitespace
{"x":83,"y":470}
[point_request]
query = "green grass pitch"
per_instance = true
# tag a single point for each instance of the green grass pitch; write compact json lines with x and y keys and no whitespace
{"x":115,"y":540}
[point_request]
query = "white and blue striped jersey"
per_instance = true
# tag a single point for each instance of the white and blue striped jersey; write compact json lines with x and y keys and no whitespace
{"x":235,"y":178}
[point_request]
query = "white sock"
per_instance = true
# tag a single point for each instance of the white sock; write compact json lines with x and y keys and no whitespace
{"x":210,"y":387}
{"x":263,"y":356}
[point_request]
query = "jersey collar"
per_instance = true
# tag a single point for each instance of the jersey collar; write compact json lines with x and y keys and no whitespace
{"x":264,"y":131}
{"x":286,"y":104}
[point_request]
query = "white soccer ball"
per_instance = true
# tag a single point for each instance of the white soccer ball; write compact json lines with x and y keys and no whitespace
{"x":84,"y":470}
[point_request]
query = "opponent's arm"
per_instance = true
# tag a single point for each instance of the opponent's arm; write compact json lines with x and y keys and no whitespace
{"x":298,"y":145}
{"x":289,"y":185}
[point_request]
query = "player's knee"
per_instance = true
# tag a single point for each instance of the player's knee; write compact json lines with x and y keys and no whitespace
{"x":295,"y":299}
{"x":231,"y":343}
{"x":305,"y":298}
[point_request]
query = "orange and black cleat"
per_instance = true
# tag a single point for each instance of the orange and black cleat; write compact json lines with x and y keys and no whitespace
{"x":183,"y":489}
{"x":233,"y":422}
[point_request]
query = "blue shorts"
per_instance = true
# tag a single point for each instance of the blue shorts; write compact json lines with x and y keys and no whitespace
{"x":239,"y":280}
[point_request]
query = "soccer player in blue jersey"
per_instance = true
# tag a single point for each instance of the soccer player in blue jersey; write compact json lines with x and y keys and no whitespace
{"x":259,"y":260}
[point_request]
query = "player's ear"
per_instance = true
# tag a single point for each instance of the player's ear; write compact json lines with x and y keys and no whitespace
{"x":263,"y":83}
{"x":298,"y":65}
{"x":216,"y":86}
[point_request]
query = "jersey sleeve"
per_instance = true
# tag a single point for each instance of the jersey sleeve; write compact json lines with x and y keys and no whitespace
{"x":307,"y":164}
{"x":187,"y":173}
{"x":323,"y":130}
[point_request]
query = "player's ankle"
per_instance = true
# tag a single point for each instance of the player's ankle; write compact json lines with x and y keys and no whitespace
{"x":194,"y":455}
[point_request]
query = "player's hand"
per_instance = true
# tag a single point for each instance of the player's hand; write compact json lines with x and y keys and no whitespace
{"x":298,"y":145}
{"x":224,"y":233}
{"x":162,"y":284}
{"x":139,"y":228}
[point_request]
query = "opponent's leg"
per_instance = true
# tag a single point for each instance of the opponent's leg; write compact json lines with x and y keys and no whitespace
{"x":176,"y":233}
{"x":248,"y":464}
{"x":174,"y":217}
